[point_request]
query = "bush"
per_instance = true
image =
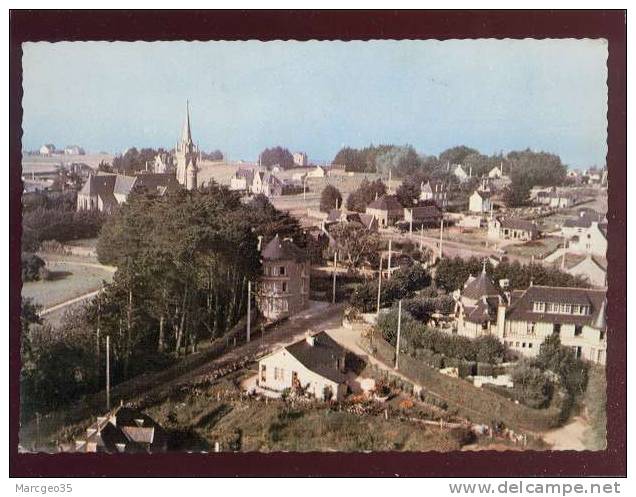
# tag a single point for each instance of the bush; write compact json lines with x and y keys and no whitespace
{"x":485,"y":369}
{"x":32,"y":267}
{"x":533,"y":386}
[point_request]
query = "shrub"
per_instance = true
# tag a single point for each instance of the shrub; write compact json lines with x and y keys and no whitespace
{"x":485,"y":369}
{"x":533,"y":386}
{"x":32,"y":265}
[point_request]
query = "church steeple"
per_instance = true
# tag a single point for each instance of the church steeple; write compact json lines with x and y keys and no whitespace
{"x":187,"y":155}
{"x":186,"y":134}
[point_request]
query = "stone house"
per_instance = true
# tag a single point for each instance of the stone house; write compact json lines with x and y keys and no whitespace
{"x":313,"y":365}
{"x":283,"y":288}
{"x":386,"y":209}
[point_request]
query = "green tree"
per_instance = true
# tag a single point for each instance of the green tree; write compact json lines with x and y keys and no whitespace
{"x":355,"y":244}
{"x":330,"y":198}
{"x":408,"y":193}
{"x":277,"y":156}
{"x":366,"y":193}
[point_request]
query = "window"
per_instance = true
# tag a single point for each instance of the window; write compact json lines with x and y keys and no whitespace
{"x":601,"y":336}
{"x":578,"y":330}
{"x":556,"y":328}
{"x":284,"y":286}
{"x":263,"y":372}
{"x":517,"y":345}
{"x":539,"y":306}
{"x":530,"y":328}
{"x":530,"y":345}
{"x":523,"y":345}
{"x":281,"y":270}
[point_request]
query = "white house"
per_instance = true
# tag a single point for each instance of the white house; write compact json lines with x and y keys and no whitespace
{"x":523,"y":319}
{"x":300,"y":159}
{"x":317,"y":172}
{"x":74,"y":150}
{"x":512,"y":229}
{"x":577,"y":315}
{"x":435,"y":191}
{"x":387,"y":210}
{"x":47,"y":149}
{"x":586,"y":236}
{"x":591,"y":269}
{"x":314,"y":365}
{"x":479,"y":201}
{"x":495,"y":173}
{"x":459,"y":172}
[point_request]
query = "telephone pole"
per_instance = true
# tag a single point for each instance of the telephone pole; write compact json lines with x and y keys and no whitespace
{"x":397,"y":341}
{"x":107,"y":372}
{"x":389,"y":262}
{"x":333,"y":291}
{"x":441,"y":236}
{"x":411,"y":224}
{"x":249,"y":309}
{"x":379,"y":286}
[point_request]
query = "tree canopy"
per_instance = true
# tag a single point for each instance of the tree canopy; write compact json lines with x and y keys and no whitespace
{"x":366,"y":193}
{"x":330,"y":198}
{"x":277,"y":156}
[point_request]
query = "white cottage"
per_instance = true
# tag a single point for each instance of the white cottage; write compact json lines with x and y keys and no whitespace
{"x":480,"y":201}
{"x":313,"y":365}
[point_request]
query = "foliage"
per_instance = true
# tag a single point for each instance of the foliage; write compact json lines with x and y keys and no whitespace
{"x":61,"y":224}
{"x":330,"y":198}
{"x":277,"y":156}
{"x":572,"y":372}
{"x":366,"y":193}
{"x":451,"y":274}
{"x":517,"y":193}
{"x":408,"y":193}
{"x":32,"y":267}
{"x":133,"y":160}
{"x":267,"y":221}
{"x":456,"y":155}
{"x":356,"y":244}
{"x":532,"y":385}
{"x":214,"y":155}
{"x":403,"y":284}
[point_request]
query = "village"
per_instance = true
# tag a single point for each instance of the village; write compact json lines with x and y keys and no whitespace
{"x":283,"y":304}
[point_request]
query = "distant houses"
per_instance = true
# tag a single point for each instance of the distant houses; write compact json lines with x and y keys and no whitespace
{"x":480,"y":201}
{"x":386,"y":209}
{"x":74,"y":150}
{"x":300,"y":159}
{"x":314,"y":365}
{"x":460,"y":173}
{"x":104,"y":192}
{"x":259,"y":181}
{"x":47,"y":149}
{"x":557,"y":199}
{"x":437,"y":191}
{"x":512,"y":229}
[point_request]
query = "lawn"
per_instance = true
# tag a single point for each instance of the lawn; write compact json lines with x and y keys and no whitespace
{"x":595,"y":402}
{"x":69,"y":279}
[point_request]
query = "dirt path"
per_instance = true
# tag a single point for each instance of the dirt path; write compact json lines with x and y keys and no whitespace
{"x":72,"y":301}
{"x":317,"y":317}
{"x":569,"y":436}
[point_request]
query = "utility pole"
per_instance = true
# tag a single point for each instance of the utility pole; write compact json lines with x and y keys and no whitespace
{"x":563,"y":255}
{"x":389,"y":181}
{"x":411,"y":224}
{"x":249,"y":309}
{"x":397,"y":342}
{"x":99,"y":317}
{"x":333,"y":291}
{"x":379,"y":286}
{"x":441,"y":236}
{"x":305,"y":188}
{"x":421,"y":237}
{"x":107,"y":372}
{"x":389,"y":262}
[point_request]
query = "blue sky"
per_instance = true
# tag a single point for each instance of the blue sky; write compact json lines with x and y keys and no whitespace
{"x":318,"y":96}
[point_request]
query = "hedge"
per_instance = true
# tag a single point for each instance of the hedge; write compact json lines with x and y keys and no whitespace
{"x":476,"y":404}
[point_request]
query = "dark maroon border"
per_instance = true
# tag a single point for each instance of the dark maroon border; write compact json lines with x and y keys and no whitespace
{"x":361,"y":25}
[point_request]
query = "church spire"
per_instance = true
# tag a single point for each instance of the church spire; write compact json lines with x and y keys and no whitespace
{"x":186,"y":135}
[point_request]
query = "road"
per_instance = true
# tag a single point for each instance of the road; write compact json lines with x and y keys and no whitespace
{"x":318,"y":317}
{"x":72,"y":301}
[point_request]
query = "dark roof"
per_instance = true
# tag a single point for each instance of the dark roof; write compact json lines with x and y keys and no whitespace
{"x":282,"y":250}
{"x":366,"y":220}
{"x":386,"y":203}
{"x":124,"y":430}
{"x":156,"y":182}
{"x":519,"y":224}
{"x":335,"y":216}
{"x":483,"y":194}
{"x":481,"y":286}
{"x":585,"y":219}
{"x":320,"y":357}
{"x":427,"y":212}
{"x":521,"y":308}
{"x":485,"y":310}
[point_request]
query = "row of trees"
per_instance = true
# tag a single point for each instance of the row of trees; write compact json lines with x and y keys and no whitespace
{"x":451,"y":274}
{"x":277,"y":156}
{"x":184,"y":261}
{"x":526,"y":168}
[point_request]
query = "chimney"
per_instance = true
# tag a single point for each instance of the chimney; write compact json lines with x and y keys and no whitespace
{"x":260,"y":242}
{"x":311,"y":340}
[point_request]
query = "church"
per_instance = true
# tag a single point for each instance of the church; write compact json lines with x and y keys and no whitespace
{"x":105,"y":191}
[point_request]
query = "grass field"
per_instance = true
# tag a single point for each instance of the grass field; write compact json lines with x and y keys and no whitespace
{"x":537,"y":248}
{"x":40,"y":163}
{"x":69,"y":279}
